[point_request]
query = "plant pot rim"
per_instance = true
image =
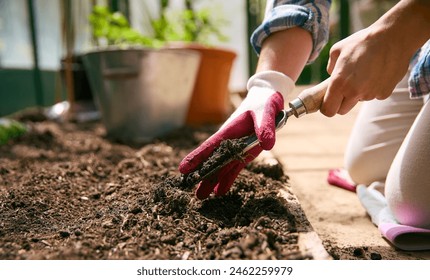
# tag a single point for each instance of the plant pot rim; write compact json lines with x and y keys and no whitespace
{"x":112,"y":49}
{"x":198,"y":46}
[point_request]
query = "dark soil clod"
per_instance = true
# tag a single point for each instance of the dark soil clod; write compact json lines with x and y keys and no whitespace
{"x":228,"y":150}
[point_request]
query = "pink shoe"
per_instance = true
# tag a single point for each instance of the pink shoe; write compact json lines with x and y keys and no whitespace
{"x":339,"y":177}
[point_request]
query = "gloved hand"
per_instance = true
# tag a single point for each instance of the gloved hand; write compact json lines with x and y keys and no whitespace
{"x":257,"y":114}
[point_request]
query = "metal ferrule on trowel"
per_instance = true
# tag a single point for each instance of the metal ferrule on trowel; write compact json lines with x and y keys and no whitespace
{"x":308,"y":101}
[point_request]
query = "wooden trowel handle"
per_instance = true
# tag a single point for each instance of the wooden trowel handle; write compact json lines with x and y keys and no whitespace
{"x":309,"y":100}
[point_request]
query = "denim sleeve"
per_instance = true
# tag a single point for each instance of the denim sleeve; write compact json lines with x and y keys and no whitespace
{"x":312,"y":15}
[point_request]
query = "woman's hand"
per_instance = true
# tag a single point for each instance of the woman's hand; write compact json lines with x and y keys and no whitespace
{"x":368,"y":64}
{"x":364,"y":66}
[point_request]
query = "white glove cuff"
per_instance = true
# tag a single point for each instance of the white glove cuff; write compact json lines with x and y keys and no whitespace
{"x":273,"y":80}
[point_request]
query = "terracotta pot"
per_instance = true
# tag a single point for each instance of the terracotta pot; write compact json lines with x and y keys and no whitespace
{"x":210,"y":99}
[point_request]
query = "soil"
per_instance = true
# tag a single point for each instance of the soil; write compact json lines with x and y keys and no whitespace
{"x":68,"y":192}
{"x":227,"y":151}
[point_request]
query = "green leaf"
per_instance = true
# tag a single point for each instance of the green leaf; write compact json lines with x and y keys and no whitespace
{"x":10,"y":129}
{"x":187,"y":25}
{"x":114,"y":28}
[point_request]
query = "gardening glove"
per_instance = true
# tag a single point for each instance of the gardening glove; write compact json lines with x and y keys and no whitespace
{"x":404,"y":237}
{"x":256,"y":114}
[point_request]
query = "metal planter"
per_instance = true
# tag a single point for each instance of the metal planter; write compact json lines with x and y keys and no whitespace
{"x":142,"y":93}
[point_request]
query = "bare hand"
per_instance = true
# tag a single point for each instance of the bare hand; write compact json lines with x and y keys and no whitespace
{"x":364,"y":66}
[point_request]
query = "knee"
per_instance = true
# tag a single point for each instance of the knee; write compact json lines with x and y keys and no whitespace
{"x":362,"y":172}
{"x":357,"y":173}
{"x":409,"y":210}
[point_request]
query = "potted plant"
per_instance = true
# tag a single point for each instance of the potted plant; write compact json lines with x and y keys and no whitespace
{"x":142,"y":91}
{"x":194,"y":30}
{"x":184,"y":34}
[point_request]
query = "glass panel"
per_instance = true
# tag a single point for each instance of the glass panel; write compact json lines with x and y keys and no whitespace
{"x":15,"y":42}
{"x":81,"y":11}
{"x":48,"y":31}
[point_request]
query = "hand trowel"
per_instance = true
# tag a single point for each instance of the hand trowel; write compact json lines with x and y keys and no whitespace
{"x":308,"y":101}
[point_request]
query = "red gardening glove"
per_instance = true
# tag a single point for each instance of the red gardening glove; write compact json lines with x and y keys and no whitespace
{"x":256,"y":114}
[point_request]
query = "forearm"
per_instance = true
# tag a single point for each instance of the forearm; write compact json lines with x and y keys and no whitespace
{"x":407,"y":25}
{"x":286,"y":51}
{"x":310,"y":15}
{"x":368,"y":64}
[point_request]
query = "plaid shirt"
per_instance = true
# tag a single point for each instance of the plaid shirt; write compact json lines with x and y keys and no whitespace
{"x":313,"y":15}
{"x":419,"y":80}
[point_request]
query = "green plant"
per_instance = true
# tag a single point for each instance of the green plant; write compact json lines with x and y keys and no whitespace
{"x":112,"y":28}
{"x":187,"y":25}
{"x":10,"y":129}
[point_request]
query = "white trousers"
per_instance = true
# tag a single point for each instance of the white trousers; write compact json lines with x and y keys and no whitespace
{"x":390,"y":142}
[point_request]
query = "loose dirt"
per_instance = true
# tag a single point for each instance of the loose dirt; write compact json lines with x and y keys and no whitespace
{"x":68,"y":192}
{"x":228,"y":150}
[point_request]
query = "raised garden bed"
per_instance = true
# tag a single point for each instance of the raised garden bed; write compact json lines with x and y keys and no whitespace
{"x":67,"y":192}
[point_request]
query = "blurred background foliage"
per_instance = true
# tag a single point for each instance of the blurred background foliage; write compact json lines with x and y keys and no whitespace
{"x":39,"y":37}
{"x":186,"y":25}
